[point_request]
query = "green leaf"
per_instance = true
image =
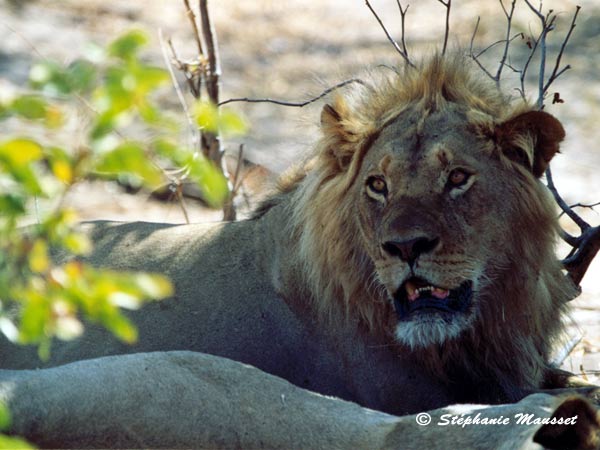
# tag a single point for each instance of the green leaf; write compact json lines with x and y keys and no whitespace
{"x":149,"y":77}
{"x":16,"y":156}
{"x":53,"y":78}
{"x":49,"y":77}
{"x":203,"y":172}
{"x":29,"y":107}
{"x":34,"y":317}
{"x":153,"y":285}
{"x":20,"y":152}
{"x":210,"y":180}
{"x":231,"y":123}
{"x":12,"y":204}
{"x":207,"y":116}
{"x":78,"y":244}
{"x":38,"y":257}
{"x":61,"y":164}
{"x":81,"y":75}
{"x":4,"y":112}
{"x":4,"y":417}
{"x":122,"y":328}
{"x":130,"y":158}
{"x":14,"y":443}
{"x":33,"y":107}
{"x":215,"y":120}
{"x":104,"y":125}
{"x":126,"y":46}
{"x":170,"y":150}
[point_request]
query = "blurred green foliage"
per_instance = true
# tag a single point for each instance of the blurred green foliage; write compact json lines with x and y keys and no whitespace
{"x":39,"y":299}
{"x":7,"y":442}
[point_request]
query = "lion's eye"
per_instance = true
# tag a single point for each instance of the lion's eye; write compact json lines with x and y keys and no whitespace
{"x":458,"y":178}
{"x":377,"y":185}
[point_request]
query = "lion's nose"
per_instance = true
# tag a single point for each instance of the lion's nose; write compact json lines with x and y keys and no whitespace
{"x":410,"y":249}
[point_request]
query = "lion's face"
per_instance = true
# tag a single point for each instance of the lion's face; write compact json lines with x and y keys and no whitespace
{"x":421,"y":213}
{"x":433,"y":212}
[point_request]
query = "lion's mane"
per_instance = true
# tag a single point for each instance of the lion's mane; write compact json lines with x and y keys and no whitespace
{"x":523,"y":300}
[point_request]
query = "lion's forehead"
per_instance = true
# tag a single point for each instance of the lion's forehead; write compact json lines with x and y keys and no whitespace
{"x":425,"y":144}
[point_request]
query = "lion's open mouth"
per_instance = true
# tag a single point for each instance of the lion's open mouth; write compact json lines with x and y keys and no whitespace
{"x":417,"y":294}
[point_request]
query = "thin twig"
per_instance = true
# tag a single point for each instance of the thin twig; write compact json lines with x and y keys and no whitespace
{"x":578,"y":262}
{"x":547,"y":23}
{"x":390,"y":38}
{"x":184,"y":68}
{"x":26,"y":41}
{"x":237,"y":182}
{"x":493,"y":44}
{"x":212,"y":52}
{"x":509,"y":16}
{"x":402,"y":22}
{"x":295,"y":104}
{"x":556,"y":73}
{"x":473,"y":56}
{"x":448,"y":5}
{"x":526,"y":66}
{"x":192,"y":18}
{"x":584,"y":205}
{"x":174,"y":81}
{"x":179,"y":187}
{"x":569,"y":238}
{"x":582,"y":224}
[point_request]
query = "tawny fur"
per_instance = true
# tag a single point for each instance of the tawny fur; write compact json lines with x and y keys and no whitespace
{"x":304,"y":289}
{"x":521,"y":301}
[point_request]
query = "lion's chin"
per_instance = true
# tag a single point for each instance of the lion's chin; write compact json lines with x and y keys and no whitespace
{"x":432,"y":329}
{"x":429,"y":315}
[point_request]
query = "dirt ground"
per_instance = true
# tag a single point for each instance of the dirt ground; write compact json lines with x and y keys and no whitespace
{"x":292,"y":50}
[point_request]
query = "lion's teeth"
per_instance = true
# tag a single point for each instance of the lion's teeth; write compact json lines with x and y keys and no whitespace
{"x":440,"y":293}
{"x":413,"y":292}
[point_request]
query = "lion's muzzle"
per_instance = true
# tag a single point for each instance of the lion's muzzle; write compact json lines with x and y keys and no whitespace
{"x":417,"y":296}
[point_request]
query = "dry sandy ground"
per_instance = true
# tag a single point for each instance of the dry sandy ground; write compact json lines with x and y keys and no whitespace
{"x":292,"y":49}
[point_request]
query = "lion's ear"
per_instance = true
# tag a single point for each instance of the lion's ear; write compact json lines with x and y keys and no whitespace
{"x":330,"y":118}
{"x":342,"y":131}
{"x":531,"y":139}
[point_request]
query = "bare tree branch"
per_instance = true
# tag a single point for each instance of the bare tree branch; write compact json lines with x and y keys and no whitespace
{"x":556,"y":72}
{"x":181,"y":199}
{"x":587,"y":244}
{"x":584,"y":205}
{"x":448,"y":5}
{"x":212,"y":53}
{"x":582,"y":224}
{"x":295,"y":104}
{"x":175,"y":83}
{"x":508,"y":40}
{"x":472,"y":55}
{"x":402,"y":22}
{"x":568,"y":238}
{"x":526,"y":66}
{"x":547,"y":23}
{"x":189,"y":73}
{"x":205,"y":72}
{"x":583,"y":255}
{"x":493,"y":44}
{"x":390,"y":38}
{"x":192,"y":18}
{"x":237,"y":180}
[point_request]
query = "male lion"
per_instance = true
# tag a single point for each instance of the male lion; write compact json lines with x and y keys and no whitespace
{"x":409,"y":266}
